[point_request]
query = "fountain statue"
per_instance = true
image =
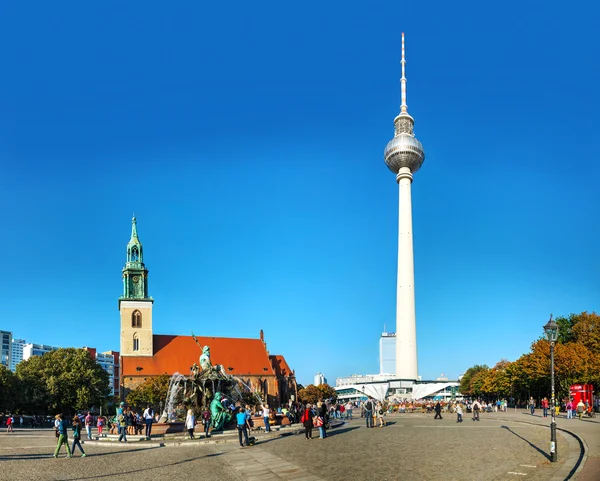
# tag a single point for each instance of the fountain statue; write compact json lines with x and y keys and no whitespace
{"x":207,"y":387}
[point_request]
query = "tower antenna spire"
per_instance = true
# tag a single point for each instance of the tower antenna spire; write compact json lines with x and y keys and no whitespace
{"x":403,"y":106}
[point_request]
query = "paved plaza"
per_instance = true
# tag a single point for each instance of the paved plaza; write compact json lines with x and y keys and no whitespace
{"x":411,"y":447}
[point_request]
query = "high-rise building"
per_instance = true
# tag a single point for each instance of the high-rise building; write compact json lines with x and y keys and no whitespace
{"x":31,"y":349}
{"x":16,"y":352}
{"x":404,"y":155}
{"x":106,"y":360}
{"x":387,"y":353}
{"x":320,"y":379}
{"x":5,"y":348}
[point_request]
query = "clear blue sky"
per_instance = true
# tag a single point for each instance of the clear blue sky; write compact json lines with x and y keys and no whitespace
{"x":248,"y":139}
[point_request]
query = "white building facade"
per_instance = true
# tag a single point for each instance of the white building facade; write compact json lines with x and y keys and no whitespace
{"x":387,"y":353}
{"x":320,"y":379}
{"x":17,"y":347}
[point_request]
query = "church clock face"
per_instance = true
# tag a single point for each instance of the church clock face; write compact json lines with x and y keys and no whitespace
{"x":136,"y":279}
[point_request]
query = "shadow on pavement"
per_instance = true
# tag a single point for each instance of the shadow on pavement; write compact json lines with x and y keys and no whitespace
{"x":141,"y":470}
{"x":528,"y":442}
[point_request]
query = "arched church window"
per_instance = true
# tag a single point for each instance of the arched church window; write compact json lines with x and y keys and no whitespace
{"x":136,"y":319}
{"x":136,"y":342}
{"x":135,"y":255}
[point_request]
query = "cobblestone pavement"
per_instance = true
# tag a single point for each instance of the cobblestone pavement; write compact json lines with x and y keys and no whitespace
{"x":410,"y":447}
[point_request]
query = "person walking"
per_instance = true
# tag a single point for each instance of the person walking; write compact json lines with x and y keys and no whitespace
{"x":242,"y":426}
{"x":438,"y":411}
{"x":570,"y":409}
{"x":369,"y":413}
{"x":62,"y":436}
{"x":148,"y":416}
{"x":89,"y":420}
{"x":77,"y":436}
{"x":100,"y":425}
{"x":580,"y":408}
{"x":545,"y":407}
{"x":459,"y":413}
{"x":307,"y":421}
{"x":9,"y":424}
{"x":476,"y":409}
{"x":266,"y":417}
{"x":532,"y":405}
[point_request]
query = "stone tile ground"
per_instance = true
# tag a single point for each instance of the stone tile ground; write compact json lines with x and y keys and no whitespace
{"x":411,"y":447}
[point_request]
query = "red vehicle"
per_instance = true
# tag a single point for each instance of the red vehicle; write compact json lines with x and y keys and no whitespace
{"x":584,"y":392}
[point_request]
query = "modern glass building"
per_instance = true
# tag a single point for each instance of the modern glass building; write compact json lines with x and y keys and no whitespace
{"x":387,"y":353}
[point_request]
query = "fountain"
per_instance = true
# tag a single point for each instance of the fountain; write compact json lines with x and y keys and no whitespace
{"x":207,"y":387}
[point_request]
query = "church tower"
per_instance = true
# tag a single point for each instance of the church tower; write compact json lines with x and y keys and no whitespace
{"x":134,"y":305}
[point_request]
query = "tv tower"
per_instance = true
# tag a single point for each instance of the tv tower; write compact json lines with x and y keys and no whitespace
{"x":404,"y":155}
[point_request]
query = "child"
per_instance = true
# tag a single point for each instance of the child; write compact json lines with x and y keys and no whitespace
{"x":100,"y":424}
{"x":77,"y":436}
{"x":459,"y":413}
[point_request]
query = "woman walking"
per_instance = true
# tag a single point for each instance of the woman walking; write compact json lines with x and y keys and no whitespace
{"x":77,"y":436}
{"x":62,"y":436}
{"x":307,"y":421}
{"x":190,"y":423}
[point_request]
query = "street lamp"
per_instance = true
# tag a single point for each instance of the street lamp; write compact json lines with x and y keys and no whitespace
{"x":551,"y":330}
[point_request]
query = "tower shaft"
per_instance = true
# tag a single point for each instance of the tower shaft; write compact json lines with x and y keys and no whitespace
{"x":406,"y":332}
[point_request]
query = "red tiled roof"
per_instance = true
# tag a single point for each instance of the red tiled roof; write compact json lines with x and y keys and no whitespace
{"x":280,"y":366}
{"x":178,"y":354}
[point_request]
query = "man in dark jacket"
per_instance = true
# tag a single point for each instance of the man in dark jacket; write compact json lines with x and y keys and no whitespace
{"x":369,"y":412}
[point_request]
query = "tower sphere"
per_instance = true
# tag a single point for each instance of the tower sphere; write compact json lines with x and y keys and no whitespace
{"x":404,"y":150}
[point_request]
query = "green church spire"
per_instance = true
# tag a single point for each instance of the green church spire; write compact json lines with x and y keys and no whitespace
{"x":135,"y":274}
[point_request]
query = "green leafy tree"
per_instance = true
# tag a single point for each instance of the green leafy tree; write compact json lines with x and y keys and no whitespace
{"x":465,"y":382}
{"x":153,"y":391}
{"x":8,"y":390}
{"x":65,"y":380}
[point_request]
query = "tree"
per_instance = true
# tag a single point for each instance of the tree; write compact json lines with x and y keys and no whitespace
{"x":586,"y":330}
{"x":8,"y":390}
{"x":312,"y":394}
{"x":65,"y":380}
{"x":465,"y":382}
{"x":153,"y":391}
{"x":327,"y":392}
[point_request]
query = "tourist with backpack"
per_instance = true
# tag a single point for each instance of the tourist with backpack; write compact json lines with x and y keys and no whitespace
{"x":122,"y":424}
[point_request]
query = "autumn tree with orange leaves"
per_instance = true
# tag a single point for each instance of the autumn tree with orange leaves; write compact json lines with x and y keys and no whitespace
{"x":576,"y":360}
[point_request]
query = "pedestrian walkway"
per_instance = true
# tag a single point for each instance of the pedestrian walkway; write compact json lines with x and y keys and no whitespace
{"x":586,"y":429}
{"x":255,"y":464}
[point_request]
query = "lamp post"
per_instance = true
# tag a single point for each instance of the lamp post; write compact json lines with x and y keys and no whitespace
{"x":551,"y":330}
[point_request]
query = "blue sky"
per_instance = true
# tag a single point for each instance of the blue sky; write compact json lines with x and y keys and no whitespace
{"x":248,"y":139}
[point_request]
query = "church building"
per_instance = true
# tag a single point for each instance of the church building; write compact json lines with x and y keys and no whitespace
{"x":145,"y":354}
